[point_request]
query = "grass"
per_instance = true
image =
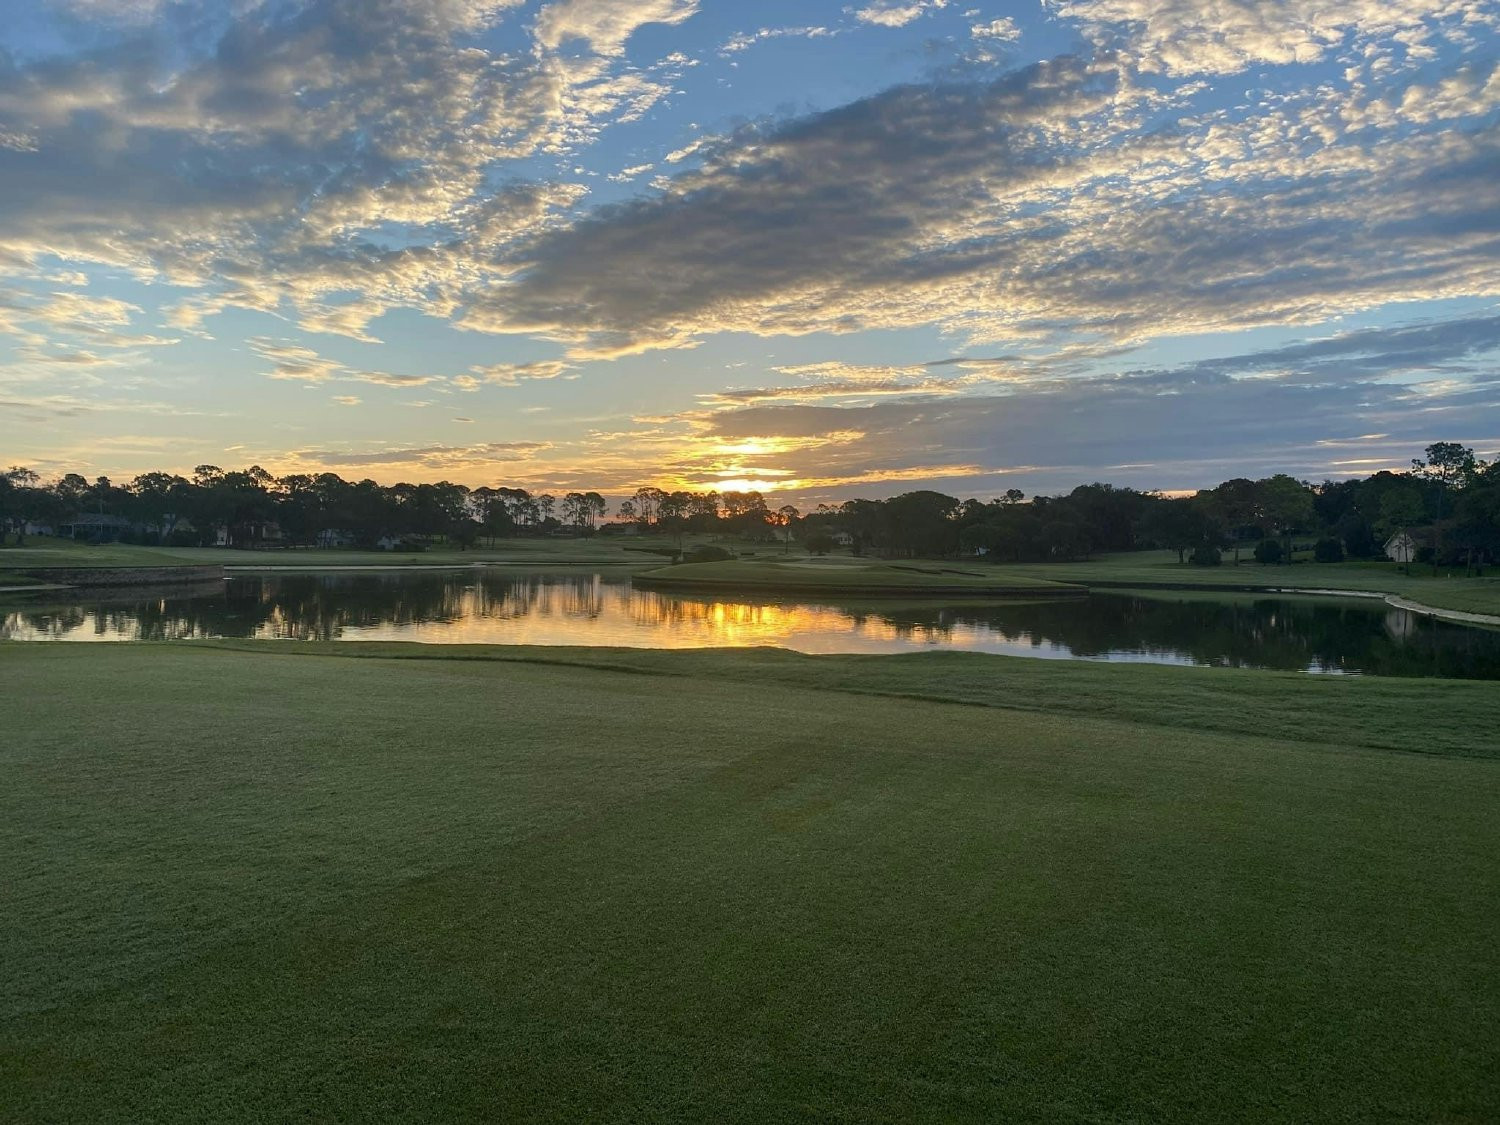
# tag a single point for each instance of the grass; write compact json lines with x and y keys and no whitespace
{"x":247,"y":884}
{"x":1157,"y":568}
{"x":51,"y":552}
{"x":836,"y":576}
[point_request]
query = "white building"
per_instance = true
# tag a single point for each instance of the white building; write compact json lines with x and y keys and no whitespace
{"x":1401,"y":548}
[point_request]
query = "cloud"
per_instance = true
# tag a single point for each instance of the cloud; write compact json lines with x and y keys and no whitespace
{"x":1129,"y":431}
{"x":1003,"y":30}
{"x":605,"y":25}
{"x":744,"y":40}
{"x":296,"y":362}
{"x":91,"y":321}
{"x":509,"y":374}
{"x":438,"y":457}
{"x":1287,"y":408}
{"x":1023,"y":209}
{"x":1371,"y":353}
{"x":839,"y":380}
{"x":1185,"y":37}
{"x":334,"y":157}
{"x":896,"y":13}
{"x":292,"y":361}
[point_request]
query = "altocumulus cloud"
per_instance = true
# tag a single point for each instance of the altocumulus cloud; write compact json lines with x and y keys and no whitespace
{"x":1187,"y":168}
{"x":1098,"y":192}
{"x":1067,"y":196}
{"x":330,"y":155}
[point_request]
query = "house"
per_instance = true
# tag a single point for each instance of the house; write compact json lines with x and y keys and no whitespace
{"x":1401,"y":548}
{"x":335,"y":537}
{"x":95,"y":528}
{"x":247,"y":534}
{"x":843,"y":538}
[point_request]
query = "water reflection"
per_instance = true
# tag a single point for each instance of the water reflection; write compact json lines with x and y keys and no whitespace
{"x":591,"y":609}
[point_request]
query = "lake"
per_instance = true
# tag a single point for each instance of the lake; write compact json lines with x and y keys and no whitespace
{"x":501,"y":606}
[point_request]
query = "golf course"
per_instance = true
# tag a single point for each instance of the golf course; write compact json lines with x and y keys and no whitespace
{"x":252,"y":880}
{"x":681,"y":562}
{"x":850,"y":577}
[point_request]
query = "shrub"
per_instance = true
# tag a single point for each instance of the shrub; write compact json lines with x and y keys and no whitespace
{"x":707,"y":553}
{"x":1328,"y":550}
{"x":1207,"y":556}
{"x":819,"y":542}
{"x":1267,"y":552}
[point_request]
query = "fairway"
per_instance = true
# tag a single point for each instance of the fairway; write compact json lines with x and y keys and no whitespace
{"x":263,"y":882}
{"x":1146,"y":569}
{"x":855,"y":577}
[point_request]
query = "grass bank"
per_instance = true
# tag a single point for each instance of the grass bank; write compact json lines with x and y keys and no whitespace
{"x":49,"y":552}
{"x":257,"y":881}
{"x":834,"y":577}
{"x":1161,"y":568}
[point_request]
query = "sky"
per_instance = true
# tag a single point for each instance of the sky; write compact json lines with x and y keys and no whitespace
{"x":823,"y":250}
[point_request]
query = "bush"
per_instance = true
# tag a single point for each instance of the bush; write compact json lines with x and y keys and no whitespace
{"x":707,"y":553}
{"x":819,"y":542}
{"x":1328,"y":550}
{"x":1267,"y":552}
{"x":1207,"y":556}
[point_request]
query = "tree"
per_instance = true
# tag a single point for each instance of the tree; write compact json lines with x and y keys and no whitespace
{"x":1449,"y":465}
{"x":647,"y":501}
{"x":21,"y":501}
{"x":1478,"y":518}
{"x":819,"y":542}
{"x":1235,"y":502}
{"x":159,"y":500}
{"x":922,"y":523}
{"x":1268,"y":552}
{"x":1284,"y":505}
{"x":1329,"y":550}
{"x":544,"y":505}
{"x":594,"y":507}
{"x":1178,"y":525}
{"x":785,"y":517}
{"x":1400,"y":509}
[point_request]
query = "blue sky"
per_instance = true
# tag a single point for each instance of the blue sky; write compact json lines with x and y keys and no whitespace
{"x":827,"y":249}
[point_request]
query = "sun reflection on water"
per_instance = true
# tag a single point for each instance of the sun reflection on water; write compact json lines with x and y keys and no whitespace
{"x":502,"y":606}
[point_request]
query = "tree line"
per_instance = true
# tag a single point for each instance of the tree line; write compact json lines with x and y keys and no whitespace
{"x":1448,"y":503}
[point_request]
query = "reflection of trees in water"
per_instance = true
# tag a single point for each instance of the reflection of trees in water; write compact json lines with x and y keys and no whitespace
{"x":1259,"y":633}
{"x":167,"y":613}
{"x":1248,"y":632}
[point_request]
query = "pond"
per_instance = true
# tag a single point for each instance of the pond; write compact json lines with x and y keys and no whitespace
{"x":579,"y":608}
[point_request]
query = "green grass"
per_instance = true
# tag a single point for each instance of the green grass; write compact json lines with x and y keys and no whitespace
{"x":1156,"y":568}
{"x":50,"y":552}
{"x":247,"y":884}
{"x":804,"y":575}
